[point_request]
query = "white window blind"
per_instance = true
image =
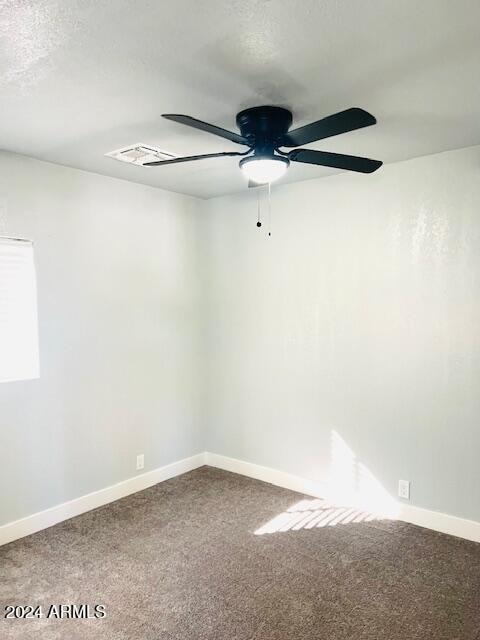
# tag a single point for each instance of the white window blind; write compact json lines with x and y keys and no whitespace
{"x":19,"y":359}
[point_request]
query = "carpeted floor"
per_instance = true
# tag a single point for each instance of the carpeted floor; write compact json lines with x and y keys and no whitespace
{"x":181,"y":561}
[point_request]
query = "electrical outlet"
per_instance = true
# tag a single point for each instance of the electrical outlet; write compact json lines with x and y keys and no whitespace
{"x":140,"y":461}
{"x":404,"y":489}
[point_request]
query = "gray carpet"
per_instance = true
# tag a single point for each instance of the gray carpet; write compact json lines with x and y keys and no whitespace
{"x":181,"y":561}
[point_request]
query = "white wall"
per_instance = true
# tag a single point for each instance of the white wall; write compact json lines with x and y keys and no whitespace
{"x":119,"y":320}
{"x":347,"y":346}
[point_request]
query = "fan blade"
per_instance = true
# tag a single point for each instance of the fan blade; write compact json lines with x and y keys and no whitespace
{"x":336,"y":160}
{"x":190,"y":158}
{"x":204,"y":126}
{"x":341,"y":122}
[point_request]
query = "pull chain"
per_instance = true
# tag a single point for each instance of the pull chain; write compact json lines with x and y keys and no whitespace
{"x":269,"y":209}
{"x":259,"y":224}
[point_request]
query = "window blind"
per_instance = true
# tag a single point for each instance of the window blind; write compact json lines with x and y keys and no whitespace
{"x":19,"y":357}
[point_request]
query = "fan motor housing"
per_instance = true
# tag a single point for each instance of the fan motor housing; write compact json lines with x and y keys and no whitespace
{"x":264,"y":127}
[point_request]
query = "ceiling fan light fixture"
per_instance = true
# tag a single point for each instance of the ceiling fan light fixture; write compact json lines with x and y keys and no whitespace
{"x":266,"y":129}
{"x":263,"y":170}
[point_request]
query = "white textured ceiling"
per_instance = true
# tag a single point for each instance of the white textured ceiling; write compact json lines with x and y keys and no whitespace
{"x":81,"y":77}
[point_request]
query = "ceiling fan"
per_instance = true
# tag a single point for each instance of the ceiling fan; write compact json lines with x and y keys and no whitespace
{"x":264,"y":130}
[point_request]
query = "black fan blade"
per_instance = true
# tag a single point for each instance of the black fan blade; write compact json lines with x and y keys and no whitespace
{"x":341,"y":122}
{"x":204,"y":126}
{"x":190,"y":158}
{"x":336,"y":160}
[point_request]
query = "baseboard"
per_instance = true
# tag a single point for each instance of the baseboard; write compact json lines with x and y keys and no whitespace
{"x":43,"y":519}
{"x":266,"y":474}
{"x":468,"y":529}
{"x":443,"y":522}
{"x":460,"y":527}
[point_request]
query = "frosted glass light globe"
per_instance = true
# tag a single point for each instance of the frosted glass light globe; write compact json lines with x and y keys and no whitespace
{"x":264,"y":170}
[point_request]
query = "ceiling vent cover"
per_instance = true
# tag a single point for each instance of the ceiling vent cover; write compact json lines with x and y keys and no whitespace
{"x":139,"y":154}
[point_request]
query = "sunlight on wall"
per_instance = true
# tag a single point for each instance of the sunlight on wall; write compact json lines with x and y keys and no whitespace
{"x":342,"y":480}
{"x":19,"y":358}
{"x":352,"y":495}
{"x":351,"y":482}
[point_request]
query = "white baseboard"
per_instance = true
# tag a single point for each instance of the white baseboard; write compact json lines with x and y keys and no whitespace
{"x":267,"y":474}
{"x":468,"y":529}
{"x":43,"y":519}
{"x":443,"y":522}
{"x":460,"y":527}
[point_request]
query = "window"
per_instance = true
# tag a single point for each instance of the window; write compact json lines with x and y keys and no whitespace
{"x":19,"y":358}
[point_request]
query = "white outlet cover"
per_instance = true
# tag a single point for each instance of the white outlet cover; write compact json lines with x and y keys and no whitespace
{"x":404,"y":489}
{"x":140,"y":461}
